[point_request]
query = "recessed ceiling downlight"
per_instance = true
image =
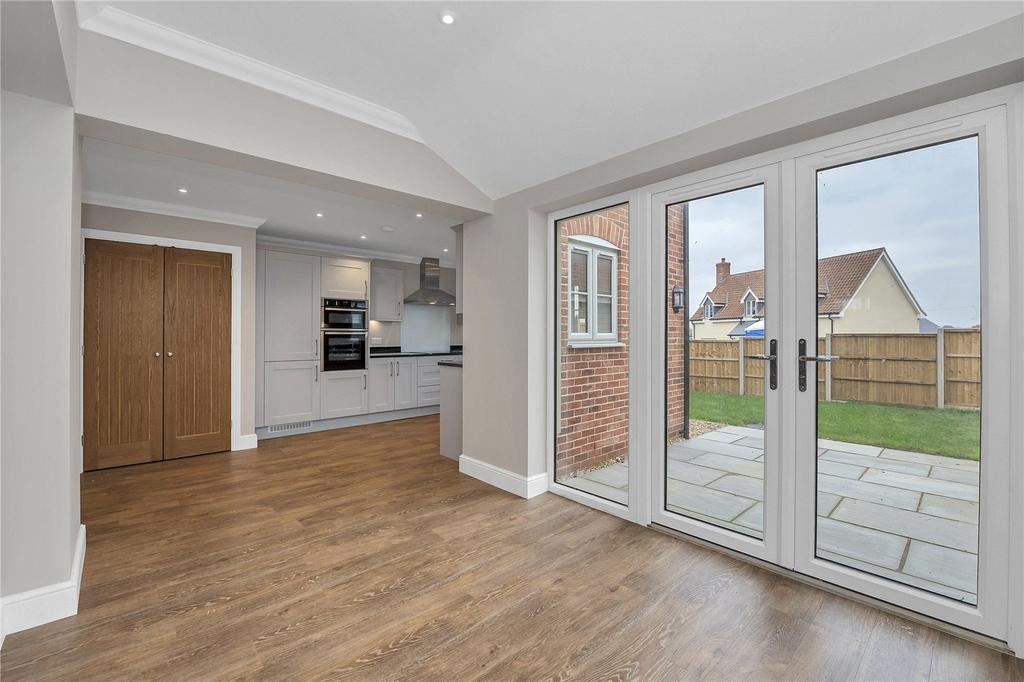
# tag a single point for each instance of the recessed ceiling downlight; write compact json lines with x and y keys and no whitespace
{"x":183,"y":190}
{"x":362,"y":236}
{"x":319,"y":214}
{"x":448,"y":18}
{"x":386,"y":228}
{"x":445,"y":250}
{"x":419,"y":215}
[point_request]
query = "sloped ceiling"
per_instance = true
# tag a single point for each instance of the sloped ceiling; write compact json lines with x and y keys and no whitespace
{"x":514,"y":94}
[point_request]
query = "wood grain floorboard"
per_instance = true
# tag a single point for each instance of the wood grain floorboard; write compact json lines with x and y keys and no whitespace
{"x":363,"y":554}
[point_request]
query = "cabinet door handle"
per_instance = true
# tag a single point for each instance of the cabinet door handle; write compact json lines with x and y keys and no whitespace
{"x":170,"y":354}
{"x":364,"y":382}
{"x":316,"y":346}
{"x":366,"y":289}
{"x":156,"y":354}
{"x":399,"y":366}
{"x":392,"y":365}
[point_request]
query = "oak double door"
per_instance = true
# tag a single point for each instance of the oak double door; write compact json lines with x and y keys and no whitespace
{"x":157,"y":347}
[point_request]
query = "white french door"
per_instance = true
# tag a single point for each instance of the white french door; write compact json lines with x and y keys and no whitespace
{"x":826,"y":393}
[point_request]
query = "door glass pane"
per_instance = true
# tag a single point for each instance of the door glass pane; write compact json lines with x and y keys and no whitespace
{"x":714,"y":459}
{"x":899,"y":421}
{"x":592,"y":389}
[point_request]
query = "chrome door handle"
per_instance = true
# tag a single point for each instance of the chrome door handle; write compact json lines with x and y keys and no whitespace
{"x":392,"y":368}
{"x":316,"y":374}
{"x":364,"y":382}
{"x":773,"y":363}
{"x":170,"y":354}
{"x":399,"y":366}
{"x":316,"y":346}
{"x":156,"y":354}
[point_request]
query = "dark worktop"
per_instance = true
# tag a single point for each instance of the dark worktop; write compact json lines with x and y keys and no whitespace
{"x":396,"y":352}
{"x":457,"y":362}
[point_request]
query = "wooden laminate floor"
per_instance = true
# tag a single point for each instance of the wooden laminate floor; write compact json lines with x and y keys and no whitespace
{"x":363,"y":554}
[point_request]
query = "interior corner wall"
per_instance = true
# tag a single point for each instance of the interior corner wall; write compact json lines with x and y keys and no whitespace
{"x":170,"y":227}
{"x":40,"y":514}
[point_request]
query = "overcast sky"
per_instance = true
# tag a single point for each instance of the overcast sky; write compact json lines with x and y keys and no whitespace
{"x":922,"y":206}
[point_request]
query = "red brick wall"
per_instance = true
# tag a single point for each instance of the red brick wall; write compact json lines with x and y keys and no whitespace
{"x":676,"y":323}
{"x":594,"y":382}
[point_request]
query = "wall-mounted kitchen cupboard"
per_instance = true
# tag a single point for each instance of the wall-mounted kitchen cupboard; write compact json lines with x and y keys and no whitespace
{"x":387,"y":296}
{"x":345,"y":278}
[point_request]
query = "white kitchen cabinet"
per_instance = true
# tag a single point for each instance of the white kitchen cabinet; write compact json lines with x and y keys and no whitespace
{"x":428,"y":395}
{"x":345,"y":278}
{"x":291,"y":321}
{"x":343,"y":394}
{"x":292,"y":391}
{"x":405,"y":383}
{"x":387,"y":295}
{"x":381,"y":384}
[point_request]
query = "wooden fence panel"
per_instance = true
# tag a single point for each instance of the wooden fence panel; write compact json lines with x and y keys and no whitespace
{"x":715,"y":366}
{"x":753,"y":370}
{"x":963,"y":367}
{"x":885,"y":368}
{"x":899,"y":369}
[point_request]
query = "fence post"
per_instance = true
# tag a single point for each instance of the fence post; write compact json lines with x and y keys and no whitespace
{"x":742,"y":364}
{"x":828,"y":369}
{"x":940,"y":368}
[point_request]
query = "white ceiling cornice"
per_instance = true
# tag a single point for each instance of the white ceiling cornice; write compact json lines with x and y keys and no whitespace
{"x":271,"y":242}
{"x":115,"y":23}
{"x":175,"y":210}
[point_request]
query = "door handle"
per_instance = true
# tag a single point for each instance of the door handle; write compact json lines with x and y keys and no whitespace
{"x":156,"y":354}
{"x":392,"y":368}
{"x":804,"y":358}
{"x":316,"y":374}
{"x":170,"y":354}
{"x":316,"y":346}
{"x":773,"y":363}
{"x":364,"y":382}
{"x":399,"y":366}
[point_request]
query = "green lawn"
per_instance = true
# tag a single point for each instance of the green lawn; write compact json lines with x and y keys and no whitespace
{"x":951,"y":432}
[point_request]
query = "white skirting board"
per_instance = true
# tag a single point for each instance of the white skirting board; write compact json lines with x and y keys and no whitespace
{"x":503,"y":478}
{"x":48,"y":603}
{"x":247,"y":441}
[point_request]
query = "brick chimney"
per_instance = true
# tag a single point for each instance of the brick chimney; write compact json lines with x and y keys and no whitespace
{"x":722,"y":271}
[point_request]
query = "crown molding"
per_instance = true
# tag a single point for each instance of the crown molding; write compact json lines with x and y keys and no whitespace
{"x":120,"y":25}
{"x":175,"y":210}
{"x":322,"y":248}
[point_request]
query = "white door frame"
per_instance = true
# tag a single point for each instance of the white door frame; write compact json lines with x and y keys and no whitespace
{"x":647,"y":299}
{"x":990,"y":615}
{"x":691,"y":187}
{"x":238,"y":440}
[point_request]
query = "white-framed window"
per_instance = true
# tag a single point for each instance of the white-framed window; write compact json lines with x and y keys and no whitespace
{"x":751,"y":307}
{"x":709,"y":310}
{"x":593,"y":291}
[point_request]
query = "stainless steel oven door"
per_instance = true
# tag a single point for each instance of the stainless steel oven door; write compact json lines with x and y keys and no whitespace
{"x":343,"y":351}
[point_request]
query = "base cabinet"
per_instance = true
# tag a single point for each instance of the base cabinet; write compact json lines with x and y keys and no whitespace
{"x":405,"y":383}
{"x":381,"y":384}
{"x":343,"y":394}
{"x":292,"y":391}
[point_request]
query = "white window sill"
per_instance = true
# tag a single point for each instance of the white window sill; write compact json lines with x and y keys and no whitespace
{"x":596,"y":344}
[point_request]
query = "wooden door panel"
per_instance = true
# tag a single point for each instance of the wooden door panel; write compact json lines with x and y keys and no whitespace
{"x":197,"y":342}
{"x":122,"y":371}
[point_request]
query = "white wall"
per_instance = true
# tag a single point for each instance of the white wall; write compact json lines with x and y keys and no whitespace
{"x":505,"y":254}
{"x":40,"y":465}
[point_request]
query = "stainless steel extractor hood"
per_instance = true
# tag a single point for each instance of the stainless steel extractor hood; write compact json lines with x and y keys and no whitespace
{"x":430,"y":292}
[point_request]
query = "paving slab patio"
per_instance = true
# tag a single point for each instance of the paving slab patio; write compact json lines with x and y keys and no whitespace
{"x":907,"y":516}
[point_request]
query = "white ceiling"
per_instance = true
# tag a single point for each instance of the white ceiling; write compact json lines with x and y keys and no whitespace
{"x":515,"y":93}
{"x":289,"y":209}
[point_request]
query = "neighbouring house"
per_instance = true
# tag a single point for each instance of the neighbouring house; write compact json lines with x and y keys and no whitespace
{"x":858,"y":293}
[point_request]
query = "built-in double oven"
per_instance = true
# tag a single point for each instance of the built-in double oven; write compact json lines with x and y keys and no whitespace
{"x":344,"y":328}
